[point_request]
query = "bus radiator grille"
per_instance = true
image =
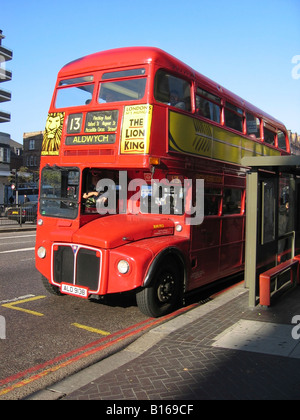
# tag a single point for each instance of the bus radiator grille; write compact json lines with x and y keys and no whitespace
{"x":74,"y":264}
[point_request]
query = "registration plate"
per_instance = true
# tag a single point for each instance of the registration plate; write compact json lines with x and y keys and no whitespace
{"x":70,"y":289}
{"x":15,"y":212}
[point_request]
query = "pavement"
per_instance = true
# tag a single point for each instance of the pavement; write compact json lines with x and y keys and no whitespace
{"x":219,"y":350}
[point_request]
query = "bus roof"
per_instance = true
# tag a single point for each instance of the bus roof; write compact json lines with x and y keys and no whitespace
{"x":129,"y":56}
{"x":119,"y":57}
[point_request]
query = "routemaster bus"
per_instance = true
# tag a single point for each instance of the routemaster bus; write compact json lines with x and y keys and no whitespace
{"x":141,"y":183}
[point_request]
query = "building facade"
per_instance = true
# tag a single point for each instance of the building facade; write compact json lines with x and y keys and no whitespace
{"x":4,"y":163}
{"x":32,"y":146}
{"x":5,"y":96}
{"x":5,"y":76}
{"x":295,"y":143}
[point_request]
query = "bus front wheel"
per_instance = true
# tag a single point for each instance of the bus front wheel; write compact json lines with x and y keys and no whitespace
{"x":163,"y":296}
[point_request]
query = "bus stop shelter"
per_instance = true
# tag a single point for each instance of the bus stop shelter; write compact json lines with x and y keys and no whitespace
{"x":272,"y":221}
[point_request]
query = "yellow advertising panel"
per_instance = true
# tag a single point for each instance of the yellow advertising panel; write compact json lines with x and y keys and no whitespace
{"x":136,"y":129}
{"x":52,"y":135}
{"x":192,"y":136}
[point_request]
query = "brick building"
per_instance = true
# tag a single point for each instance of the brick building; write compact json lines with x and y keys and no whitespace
{"x":32,"y":146}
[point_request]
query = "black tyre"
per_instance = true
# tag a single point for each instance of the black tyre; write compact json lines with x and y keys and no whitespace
{"x":54,"y":290}
{"x":163,"y":296}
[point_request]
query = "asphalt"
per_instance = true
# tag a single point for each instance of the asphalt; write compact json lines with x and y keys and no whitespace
{"x":10,"y":227}
{"x":219,"y":350}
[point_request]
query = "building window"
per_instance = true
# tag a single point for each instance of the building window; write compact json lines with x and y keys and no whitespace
{"x":4,"y":155}
{"x":31,"y":144}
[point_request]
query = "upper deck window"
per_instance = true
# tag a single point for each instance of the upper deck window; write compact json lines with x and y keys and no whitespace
{"x":208,"y":105}
{"x":123,"y":73}
{"x":74,"y":92}
{"x":172,"y":90}
{"x":269,"y":135}
{"x":253,"y":125}
{"x":76,"y":80}
{"x":122,"y":90}
{"x":281,"y":140}
{"x":234,"y":117}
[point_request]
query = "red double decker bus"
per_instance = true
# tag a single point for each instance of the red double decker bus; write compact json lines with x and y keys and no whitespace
{"x":141,"y":182}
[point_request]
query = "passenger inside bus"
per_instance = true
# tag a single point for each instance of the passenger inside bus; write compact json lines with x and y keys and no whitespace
{"x":176,"y":101}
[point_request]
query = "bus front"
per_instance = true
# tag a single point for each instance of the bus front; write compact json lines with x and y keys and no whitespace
{"x":95,"y":234}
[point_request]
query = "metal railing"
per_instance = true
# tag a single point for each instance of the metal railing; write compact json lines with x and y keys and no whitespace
{"x":18,"y":215}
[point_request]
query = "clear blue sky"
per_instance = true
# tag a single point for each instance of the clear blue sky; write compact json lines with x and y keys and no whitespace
{"x":246,"y":46}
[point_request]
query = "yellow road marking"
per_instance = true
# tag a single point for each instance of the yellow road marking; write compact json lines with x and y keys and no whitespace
{"x":13,"y":305}
{"x":95,"y":330}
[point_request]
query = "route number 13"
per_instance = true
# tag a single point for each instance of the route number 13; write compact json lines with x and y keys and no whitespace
{"x":74,"y":123}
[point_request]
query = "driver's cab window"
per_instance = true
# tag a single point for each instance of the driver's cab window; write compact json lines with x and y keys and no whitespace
{"x":100,"y":191}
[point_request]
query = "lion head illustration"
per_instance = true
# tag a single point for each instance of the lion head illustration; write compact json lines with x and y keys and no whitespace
{"x":53,"y":132}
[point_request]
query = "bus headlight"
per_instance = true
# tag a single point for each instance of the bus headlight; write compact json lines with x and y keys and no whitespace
{"x":178,"y":228}
{"x":41,"y":252}
{"x":123,"y":267}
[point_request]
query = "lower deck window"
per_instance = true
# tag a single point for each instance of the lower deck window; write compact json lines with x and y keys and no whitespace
{"x":232,"y":201}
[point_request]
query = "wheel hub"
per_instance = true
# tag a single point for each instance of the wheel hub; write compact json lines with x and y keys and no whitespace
{"x":166,"y":288}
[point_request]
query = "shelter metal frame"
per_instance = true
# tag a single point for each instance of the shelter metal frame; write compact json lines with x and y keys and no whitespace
{"x":257,"y":166}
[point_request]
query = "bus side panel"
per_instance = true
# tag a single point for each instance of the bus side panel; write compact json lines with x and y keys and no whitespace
{"x":217,"y":249}
{"x":205,"y":250}
{"x":159,"y":131}
{"x":231,"y":258}
{"x":232,"y":243}
{"x":232,"y":229}
{"x":205,"y":267}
